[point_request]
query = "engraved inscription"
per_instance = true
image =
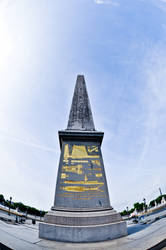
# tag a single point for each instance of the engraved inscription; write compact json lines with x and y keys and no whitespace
{"x":81,"y":172}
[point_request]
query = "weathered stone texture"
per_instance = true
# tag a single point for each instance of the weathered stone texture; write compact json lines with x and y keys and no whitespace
{"x":80,"y":117}
{"x":84,"y":233}
{"x":81,"y":210}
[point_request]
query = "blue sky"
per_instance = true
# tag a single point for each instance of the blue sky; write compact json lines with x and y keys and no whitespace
{"x":120,"y":47}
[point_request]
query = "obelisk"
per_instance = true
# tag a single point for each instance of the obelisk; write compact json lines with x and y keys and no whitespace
{"x":81,"y":210}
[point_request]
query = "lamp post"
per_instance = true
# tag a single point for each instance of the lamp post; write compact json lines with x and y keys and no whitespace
{"x":10,"y":204}
{"x":145,"y":206}
{"x":127,"y":209}
{"x":27,"y":213}
{"x":160,"y":191}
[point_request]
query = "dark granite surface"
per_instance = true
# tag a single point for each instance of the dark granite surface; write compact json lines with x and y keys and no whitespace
{"x":80,"y":117}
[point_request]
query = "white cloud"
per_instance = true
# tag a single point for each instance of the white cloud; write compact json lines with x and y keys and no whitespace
{"x":154,"y":73}
{"x":160,"y":4}
{"x":26,"y":141}
{"x":107,"y":2}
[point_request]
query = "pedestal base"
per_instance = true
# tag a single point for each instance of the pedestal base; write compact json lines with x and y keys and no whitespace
{"x":82,"y":226}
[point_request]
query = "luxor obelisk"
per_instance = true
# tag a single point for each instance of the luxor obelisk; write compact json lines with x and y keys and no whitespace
{"x":81,"y":210}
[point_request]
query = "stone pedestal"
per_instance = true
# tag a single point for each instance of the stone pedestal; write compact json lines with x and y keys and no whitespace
{"x":82,"y":226}
{"x":81,"y":210}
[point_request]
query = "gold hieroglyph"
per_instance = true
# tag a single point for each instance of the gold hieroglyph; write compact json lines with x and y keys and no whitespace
{"x":98,"y":175}
{"x":92,"y":149}
{"x":78,"y":152}
{"x":81,"y":154}
{"x":97,"y":162}
{"x":75,"y":161}
{"x":80,"y":188}
{"x":64,"y":176}
{"x":73,"y":169}
{"x":94,"y":169}
{"x":91,"y":194}
{"x":85,"y":182}
{"x":79,"y":161}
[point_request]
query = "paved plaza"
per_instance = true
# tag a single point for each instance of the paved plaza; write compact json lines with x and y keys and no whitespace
{"x":25,"y":237}
{"x":82,"y":211}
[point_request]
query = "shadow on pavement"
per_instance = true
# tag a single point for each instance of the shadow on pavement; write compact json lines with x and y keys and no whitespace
{"x":136,"y":228}
{"x":3,"y":247}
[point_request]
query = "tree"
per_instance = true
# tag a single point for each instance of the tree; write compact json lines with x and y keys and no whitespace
{"x":20,"y":206}
{"x":158,"y":199}
{"x":43,"y":213}
{"x":164,"y":195}
{"x":9,"y":204}
{"x":123,"y":213}
{"x":2,"y":199}
{"x":152,"y":203}
{"x":139,"y":206}
{"x":131,"y":210}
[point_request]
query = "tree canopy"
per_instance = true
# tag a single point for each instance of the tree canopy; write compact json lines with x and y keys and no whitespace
{"x":21,"y":207}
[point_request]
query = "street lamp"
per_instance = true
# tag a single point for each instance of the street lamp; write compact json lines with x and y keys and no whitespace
{"x":145,"y":206}
{"x":127,"y":209}
{"x":26,"y":212}
{"x":10,"y":204}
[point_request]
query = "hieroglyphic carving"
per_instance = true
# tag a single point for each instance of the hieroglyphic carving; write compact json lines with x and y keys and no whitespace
{"x":64,"y":176}
{"x":92,"y":149}
{"x":81,"y":160}
{"x":73,"y":169}
{"x":97,"y":162}
{"x":94,"y":169}
{"x":78,"y":152}
{"x":85,"y":182}
{"x":80,"y":188}
{"x":98,"y":175}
